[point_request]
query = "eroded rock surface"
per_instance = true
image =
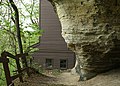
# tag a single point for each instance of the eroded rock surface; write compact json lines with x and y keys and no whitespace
{"x":91,"y":28}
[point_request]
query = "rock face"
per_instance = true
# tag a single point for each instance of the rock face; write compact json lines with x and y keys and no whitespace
{"x":91,"y":28}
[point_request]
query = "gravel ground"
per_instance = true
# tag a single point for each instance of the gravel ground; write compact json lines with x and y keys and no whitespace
{"x":111,"y":78}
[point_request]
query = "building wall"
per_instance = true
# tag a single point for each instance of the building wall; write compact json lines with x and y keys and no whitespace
{"x":52,"y":45}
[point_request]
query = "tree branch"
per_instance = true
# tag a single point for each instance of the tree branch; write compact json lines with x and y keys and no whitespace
{"x":30,"y":12}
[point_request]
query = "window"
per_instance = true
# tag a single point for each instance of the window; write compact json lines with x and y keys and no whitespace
{"x":49,"y":63}
{"x":63,"y":64}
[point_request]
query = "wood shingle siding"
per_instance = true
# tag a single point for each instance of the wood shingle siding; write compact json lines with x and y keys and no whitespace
{"x":52,"y":45}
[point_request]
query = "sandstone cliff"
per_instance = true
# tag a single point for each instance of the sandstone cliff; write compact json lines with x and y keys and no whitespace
{"x":91,"y":28}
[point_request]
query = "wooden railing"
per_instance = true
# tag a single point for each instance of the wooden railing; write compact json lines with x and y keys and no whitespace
{"x":4,"y":59}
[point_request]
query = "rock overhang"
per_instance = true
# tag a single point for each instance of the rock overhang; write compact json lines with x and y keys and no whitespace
{"x":91,"y":28}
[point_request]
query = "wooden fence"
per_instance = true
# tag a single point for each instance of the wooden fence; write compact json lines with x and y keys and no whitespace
{"x":4,"y":59}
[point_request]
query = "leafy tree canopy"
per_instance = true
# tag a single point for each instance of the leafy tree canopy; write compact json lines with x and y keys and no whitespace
{"x":29,"y":25}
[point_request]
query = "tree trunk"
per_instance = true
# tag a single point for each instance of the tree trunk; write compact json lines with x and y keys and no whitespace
{"x":17,"y":25}
{"x":18,"y":29}
{"x":91,"y":28}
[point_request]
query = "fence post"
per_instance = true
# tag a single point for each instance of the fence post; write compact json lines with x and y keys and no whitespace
{"x":6,"y":69}
{"x":19,"y":69}
{"x":27,"y":66}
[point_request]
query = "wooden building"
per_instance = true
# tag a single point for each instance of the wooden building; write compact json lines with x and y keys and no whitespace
{"x":53,"y":52}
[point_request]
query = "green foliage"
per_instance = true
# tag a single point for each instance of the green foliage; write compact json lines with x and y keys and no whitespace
{"x":38,"y":67}
{"x":29,"y":16}
{"x":2,"y":76}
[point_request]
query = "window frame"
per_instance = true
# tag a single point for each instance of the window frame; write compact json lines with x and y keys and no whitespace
{"x":48,"y":64}
{"x":66,"y":64}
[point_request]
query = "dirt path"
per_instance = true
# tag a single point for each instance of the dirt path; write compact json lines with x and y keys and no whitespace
{"x":67,"y":78}
{"x":111,"y":78}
